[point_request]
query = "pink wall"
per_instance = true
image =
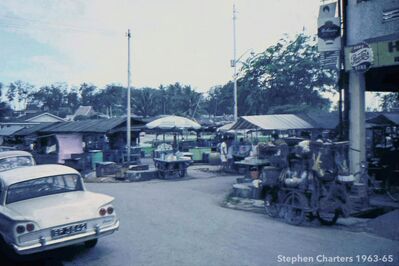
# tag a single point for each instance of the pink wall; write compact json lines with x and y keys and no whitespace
{"x":69,"y":144}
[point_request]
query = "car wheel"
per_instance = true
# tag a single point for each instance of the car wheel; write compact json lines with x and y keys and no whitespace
{"x":91,"y":243}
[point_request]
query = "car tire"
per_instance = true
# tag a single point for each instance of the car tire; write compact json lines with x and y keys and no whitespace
{"x":91,"y":243}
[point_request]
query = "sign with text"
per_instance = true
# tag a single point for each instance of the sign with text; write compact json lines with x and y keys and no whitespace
{"x":361,"y":57}
{"x":330,"y":60}
{"x":385,"y":53}
{"x":329,"y":33}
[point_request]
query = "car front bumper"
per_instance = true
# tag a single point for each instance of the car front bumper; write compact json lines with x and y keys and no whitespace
{"x":66,"y":241}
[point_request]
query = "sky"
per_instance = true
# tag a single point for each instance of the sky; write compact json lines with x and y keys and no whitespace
{"x":186,"y":41}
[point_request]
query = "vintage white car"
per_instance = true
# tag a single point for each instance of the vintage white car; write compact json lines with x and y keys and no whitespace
{"x":12,"y":159}
{"x":44,"y":207}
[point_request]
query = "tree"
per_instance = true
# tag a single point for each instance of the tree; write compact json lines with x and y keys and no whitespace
{"x":87,"y":92}
{"x":286,"y":74}
{"x":220,"y":100}
{"x":146,"y":101}
{"x":51,"y":98}
{"x":389,"y":101}
{"x":111,"y":100}
{"x":19,"y":90}
{"x":5,"y":109}
{"x":182,"y":99}
{"x":72,"y":99}
{"x":11,"y":92}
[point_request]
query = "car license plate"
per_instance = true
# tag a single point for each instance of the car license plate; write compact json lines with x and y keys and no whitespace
{"x":68,"y":230}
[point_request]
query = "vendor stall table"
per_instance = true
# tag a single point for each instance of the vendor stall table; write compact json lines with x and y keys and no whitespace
{"x":172,"y":168}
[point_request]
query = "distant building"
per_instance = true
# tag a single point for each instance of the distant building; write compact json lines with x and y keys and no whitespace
{"x":84,"y":112}
{"x":8,"y":128}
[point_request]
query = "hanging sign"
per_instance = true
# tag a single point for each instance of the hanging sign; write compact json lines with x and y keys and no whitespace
{"x":328,"y":29}
{"x":329,"y":33}
{"x":361,"y":57}
{"x":327,"y":10}
{"x":330,"y":60}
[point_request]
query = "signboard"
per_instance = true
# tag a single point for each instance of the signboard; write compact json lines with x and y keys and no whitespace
{"x":329,"y":33}
{"x":330,"y":60}
{"x":328,"y":10}
{"x":388,"y":53}
{"x":328,"y":29}
{"x":361,"y":57}
{"x":385,"y":53}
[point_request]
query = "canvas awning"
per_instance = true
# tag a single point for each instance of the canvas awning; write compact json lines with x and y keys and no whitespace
{"x":272,"y":122}
{"x":173,"y":122}
{"x":226,"y":127}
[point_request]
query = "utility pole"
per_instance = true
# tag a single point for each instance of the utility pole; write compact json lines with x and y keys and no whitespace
{"x":234,"y":63}
{"x":128,"y":129}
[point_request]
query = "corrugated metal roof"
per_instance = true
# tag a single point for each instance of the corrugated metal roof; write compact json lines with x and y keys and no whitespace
{"x":226,"y":127}
{"x":33,"y":129}
{"x":272,"y":122}
{"x":89,"y":126}
{"x":322,"y":120}
{"x":9,"y":130}
{"x":385,"y":119}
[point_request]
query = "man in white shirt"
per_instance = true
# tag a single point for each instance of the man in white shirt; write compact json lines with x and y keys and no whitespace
{"x":223,"y":154}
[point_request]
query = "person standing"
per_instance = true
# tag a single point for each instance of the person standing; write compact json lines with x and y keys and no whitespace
{"x":223,"y":154}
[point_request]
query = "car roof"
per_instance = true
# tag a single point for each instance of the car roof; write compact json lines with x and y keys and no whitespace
{"x":5,"y":154}
{"x":26,"y":173}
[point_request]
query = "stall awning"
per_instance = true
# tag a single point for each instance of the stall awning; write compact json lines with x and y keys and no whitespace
{"x":226,"y":127}
{"x":272,"y":122}
{"x":9,"y":130}
{"x":173,"y":122}
{"x":385,"y":120}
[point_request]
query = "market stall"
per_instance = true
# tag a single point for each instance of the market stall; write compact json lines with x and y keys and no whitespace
{"x":168,"y":160}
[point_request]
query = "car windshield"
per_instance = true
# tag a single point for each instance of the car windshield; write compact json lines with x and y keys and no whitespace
{"x":15,"y":162}
{"x":43,"y":187}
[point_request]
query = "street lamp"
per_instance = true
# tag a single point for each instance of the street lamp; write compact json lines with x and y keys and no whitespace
{"x":233,"y":63}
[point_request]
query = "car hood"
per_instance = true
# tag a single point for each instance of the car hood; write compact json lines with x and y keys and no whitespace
{"x":63,"y":208}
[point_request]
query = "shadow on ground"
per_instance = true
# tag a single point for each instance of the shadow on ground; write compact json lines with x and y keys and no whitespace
{"x":47,"y":258}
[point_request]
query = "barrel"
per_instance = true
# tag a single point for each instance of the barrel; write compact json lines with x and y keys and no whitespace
{"x":96,"y":156}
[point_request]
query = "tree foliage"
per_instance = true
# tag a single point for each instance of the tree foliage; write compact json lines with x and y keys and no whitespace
{"x":389,"y":101}
{"x":286,"y":77}
{"x":286,"y":74}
